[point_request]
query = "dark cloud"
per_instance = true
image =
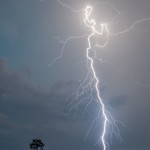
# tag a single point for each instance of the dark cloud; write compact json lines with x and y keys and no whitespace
{"x":27,"y":111}
{"x":35,"y":102}
{"x":118,"y":101}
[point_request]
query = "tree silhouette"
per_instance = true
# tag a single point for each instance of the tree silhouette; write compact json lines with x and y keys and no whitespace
{"x":37,"y":144}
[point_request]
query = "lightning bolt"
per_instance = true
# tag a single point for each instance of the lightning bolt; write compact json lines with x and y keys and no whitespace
{"x":92,"y":25}
{"x":92,"y":76}
{"x":131,"y":27}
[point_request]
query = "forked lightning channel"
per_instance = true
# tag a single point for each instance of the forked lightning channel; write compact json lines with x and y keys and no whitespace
{"x":91,"y":24}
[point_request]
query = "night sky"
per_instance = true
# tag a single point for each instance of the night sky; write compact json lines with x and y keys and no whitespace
{"x":35,"y":96}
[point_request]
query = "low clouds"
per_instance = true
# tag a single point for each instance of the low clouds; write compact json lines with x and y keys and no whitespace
{"x":27,"y":111}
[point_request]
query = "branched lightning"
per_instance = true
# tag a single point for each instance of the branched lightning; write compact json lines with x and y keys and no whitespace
{"x":131,"y":27}
{"x":69,"y":7}
{"x":64,"y":44}
{"x":91,"y":82}
{"x":92,"y":25}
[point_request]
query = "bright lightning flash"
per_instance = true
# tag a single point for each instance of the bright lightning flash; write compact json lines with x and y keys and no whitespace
{"x":92,"y":25}
{"x":94,"y":79}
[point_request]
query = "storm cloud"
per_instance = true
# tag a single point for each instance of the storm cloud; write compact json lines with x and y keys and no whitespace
{"x":35,"y":98}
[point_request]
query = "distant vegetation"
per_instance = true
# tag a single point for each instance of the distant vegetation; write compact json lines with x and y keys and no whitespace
{"x":36,"y":144}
